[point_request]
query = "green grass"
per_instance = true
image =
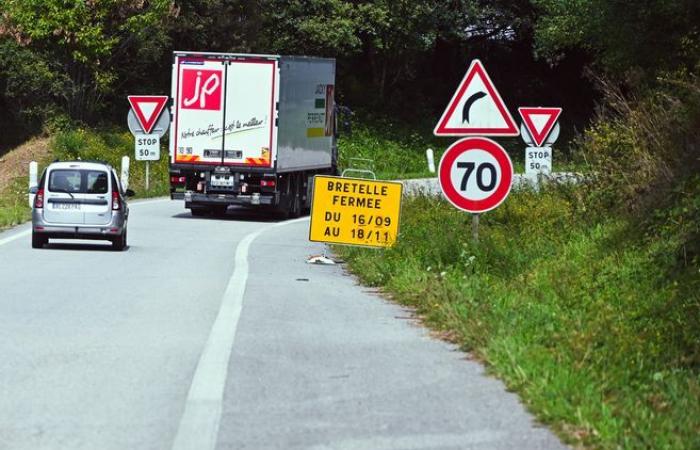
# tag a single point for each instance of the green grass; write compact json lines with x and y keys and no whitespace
{"x":595,"y":324}
{"x":14,"y":206}
{"x":398,"y":151}
{"x":110,"y":145}
{"x":88,"y":144}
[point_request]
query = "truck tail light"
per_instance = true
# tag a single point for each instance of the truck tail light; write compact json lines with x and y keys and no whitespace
{"x":39,"y":199}
{"x":267,"y":183}
{"x":178,"y":180}
{"x":115,"y":201}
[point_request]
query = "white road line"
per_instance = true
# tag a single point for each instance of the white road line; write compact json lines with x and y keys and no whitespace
{"x":199,"y":425}
{"x":14,"y":237}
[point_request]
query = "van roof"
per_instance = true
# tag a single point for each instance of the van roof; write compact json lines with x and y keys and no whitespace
{"x":94,"y":165}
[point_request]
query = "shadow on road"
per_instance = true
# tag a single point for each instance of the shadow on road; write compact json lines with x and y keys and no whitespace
{"x":106,"y":247}
{"x":239,"y":215}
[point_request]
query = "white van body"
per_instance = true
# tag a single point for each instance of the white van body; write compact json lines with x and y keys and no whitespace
{"x":79,"y":200}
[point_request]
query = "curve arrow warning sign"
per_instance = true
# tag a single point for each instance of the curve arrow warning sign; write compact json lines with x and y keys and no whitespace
{"x":539,"y":122}
{"x":147,"y":109}
{"x":476,"y":109}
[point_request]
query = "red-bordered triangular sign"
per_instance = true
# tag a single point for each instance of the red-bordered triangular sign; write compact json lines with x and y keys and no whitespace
{"x":539,"y":122}
{"x":147,"y":109}
{"x":476,"y":108}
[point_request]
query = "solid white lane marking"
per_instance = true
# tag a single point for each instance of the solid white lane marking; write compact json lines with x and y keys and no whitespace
{"x":14,"y":237}
{"x":199,"y":425}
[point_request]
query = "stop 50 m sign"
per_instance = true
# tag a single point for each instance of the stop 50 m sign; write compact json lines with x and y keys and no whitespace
{"x":476,"y":174}
{"x":147,"y":147}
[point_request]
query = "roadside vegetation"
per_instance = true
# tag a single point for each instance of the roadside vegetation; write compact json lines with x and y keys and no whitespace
{"x":391,"y":150}
{"x":593,"y":321}
{"x":584,"y":299}
{"x":85,"y":144}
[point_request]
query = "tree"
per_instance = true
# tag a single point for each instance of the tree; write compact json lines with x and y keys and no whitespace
{"x":80,"y":45}
{"x":648,"y":36}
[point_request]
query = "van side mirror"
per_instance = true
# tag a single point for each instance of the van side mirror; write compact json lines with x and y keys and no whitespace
{"x":129,"y":193}
{"x":34,"y":189}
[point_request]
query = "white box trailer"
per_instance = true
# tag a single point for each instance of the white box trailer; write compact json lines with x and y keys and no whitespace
{"x":250,"y":129}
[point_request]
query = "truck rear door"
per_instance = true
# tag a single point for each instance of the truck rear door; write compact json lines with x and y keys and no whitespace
{"x":224,"y":111}
{"x":250,"y":112}
{"x":199,"y":112}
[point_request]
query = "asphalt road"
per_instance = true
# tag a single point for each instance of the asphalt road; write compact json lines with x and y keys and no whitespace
{"x":212,"y":333}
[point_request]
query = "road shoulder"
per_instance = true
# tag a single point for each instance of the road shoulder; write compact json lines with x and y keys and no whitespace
{"x":328,"y":364}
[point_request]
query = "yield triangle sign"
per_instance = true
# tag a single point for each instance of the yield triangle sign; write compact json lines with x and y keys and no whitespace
{"x":147,"y":109}
{"x":539,"y":122}
{"x":476,"y":109}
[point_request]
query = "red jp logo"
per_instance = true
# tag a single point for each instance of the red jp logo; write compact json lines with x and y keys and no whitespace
{"x":201,"y":89}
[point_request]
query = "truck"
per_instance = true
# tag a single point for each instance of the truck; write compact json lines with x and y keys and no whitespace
{"x":250,"y":130}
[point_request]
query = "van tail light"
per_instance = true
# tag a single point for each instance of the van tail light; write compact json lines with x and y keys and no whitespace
{"x":267,"y":183}
{"x":115,"y":201}
{"x":39,"y":199}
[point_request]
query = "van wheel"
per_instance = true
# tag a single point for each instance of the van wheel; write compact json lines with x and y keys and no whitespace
{"x":119,"y":243}
{"x":38,"y":241}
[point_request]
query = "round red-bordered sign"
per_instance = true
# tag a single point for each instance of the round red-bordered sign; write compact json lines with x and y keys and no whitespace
{"x":475,"y":174}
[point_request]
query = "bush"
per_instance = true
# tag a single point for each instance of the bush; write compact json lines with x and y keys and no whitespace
{"x":571,"y":309}
{"x":642,"y":147}
{"x":110,"y":146}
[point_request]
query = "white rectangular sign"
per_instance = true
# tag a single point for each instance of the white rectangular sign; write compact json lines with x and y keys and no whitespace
{"x":147,"y":147}
{"x":538,"y":160}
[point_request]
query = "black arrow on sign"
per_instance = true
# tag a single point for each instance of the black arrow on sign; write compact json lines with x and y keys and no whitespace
{"x":468,"y":105}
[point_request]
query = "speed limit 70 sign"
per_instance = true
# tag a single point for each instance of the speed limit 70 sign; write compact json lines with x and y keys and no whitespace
{"x":476,"y":174}
{"x":147,"y":147}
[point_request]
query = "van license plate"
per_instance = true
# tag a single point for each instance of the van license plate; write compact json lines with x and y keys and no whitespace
{"x":67,"y":206}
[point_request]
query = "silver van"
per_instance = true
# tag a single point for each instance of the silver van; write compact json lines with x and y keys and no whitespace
{"x":80,"y":200}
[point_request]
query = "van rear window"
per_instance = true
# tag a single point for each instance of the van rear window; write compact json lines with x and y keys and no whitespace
{"x":78,"y":181}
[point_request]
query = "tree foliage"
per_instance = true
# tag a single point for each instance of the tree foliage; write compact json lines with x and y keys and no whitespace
{"x":80,"y":47}
{"x":81,"y":57}
{"x":648,"y":36}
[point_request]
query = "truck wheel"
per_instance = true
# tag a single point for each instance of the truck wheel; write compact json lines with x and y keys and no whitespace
{"x":220,"y":211}
{"x":38,"y":241}
{"x":199,"y":212}
{"x":295,"y":203}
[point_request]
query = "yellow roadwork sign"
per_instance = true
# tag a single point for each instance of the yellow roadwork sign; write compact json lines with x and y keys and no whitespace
{"x":355,"y":211}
